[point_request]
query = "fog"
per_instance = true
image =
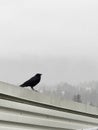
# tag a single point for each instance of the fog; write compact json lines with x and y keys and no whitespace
{"x":57,"y":38}
{"x":55,"y":70}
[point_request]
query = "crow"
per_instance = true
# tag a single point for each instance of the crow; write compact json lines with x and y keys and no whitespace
{"x":32,"y":81}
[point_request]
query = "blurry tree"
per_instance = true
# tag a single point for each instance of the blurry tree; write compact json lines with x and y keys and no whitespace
{"x":77,"y":98}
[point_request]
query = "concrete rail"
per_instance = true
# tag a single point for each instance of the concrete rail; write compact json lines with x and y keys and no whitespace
{"x":23,"y":109}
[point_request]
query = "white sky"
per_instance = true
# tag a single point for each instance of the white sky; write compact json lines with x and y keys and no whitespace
{"x":56,"y":37}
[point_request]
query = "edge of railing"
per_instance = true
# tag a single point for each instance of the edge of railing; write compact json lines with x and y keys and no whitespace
{"x":16,"y":93}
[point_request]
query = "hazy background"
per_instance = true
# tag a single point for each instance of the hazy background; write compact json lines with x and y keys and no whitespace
{"x":58,"y":38}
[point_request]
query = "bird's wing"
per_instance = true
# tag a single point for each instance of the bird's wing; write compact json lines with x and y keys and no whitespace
{"x":26,"y":83}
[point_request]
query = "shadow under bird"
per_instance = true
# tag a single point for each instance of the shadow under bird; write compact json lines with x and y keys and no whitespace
{"x":32,"y":82}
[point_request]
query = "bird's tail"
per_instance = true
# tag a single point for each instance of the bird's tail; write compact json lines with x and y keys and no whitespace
{"x":22,"y":85}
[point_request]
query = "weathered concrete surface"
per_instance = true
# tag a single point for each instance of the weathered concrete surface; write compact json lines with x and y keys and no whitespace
{"x":23,"y":109}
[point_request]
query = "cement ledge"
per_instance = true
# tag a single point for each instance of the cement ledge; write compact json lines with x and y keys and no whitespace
{"x":29,"y":95}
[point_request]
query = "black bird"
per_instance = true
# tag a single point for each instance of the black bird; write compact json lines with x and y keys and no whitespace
{"x":32,"y":81}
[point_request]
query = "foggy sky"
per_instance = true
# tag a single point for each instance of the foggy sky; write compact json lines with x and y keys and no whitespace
{"x":58,"y":38}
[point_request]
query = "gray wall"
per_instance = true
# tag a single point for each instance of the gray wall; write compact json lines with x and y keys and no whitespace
{"x":22,"y":109}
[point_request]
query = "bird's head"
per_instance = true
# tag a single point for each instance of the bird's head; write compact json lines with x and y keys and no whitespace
{"x":38,"y":74}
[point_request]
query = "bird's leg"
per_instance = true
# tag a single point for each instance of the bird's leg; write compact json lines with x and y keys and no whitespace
{"x":34,"y":89}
